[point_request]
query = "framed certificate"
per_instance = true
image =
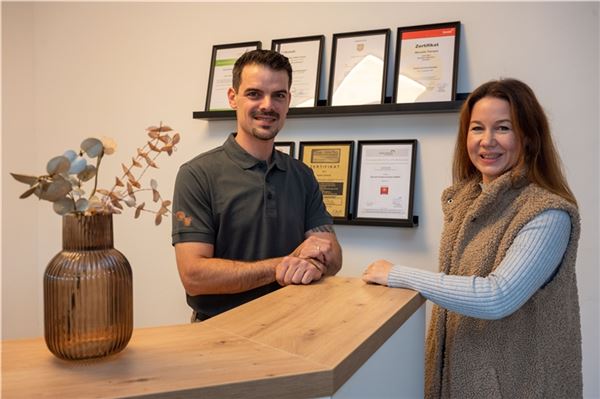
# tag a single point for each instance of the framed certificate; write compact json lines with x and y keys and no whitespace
{"x":358,"y":67}
{"x":221,"y":72}
{"x":305,"y":55}
{"x":287,"y":147}
{"x":331,"y":163}
{"x":385,"y":179}
{"x":426,"y":63}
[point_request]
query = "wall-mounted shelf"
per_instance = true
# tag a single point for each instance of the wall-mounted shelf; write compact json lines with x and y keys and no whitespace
{"x":353,"y":110}
{"x":414,"y":222}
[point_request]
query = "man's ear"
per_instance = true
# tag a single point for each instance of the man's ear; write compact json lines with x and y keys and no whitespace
{"x":231,"y":96}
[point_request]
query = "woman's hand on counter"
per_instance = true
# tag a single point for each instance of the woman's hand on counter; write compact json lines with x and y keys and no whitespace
{"x":377,"y":272}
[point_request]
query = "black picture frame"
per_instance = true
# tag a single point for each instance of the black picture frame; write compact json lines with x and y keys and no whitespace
{"x":339,"y":64}
{"x":300,"y":86}
{"x":287,"y":147}
{"x":388,"y":180}
{"x":336,"y":193}
{"x":429,"y":37}
{"x":232,"y":49}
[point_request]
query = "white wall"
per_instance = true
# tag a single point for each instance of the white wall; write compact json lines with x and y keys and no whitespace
{"x":73,"y":70}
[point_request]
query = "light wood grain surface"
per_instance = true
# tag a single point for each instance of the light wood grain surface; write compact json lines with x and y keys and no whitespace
{"x":300,"y":341}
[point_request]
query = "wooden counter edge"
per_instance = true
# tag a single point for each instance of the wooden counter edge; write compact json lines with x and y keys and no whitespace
{"x":344,"y":370}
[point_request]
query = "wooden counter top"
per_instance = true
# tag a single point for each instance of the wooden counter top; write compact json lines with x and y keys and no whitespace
{"x":300,"y":341}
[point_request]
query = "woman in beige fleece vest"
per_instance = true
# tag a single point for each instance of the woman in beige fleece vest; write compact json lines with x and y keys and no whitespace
{"x":505,"y":320}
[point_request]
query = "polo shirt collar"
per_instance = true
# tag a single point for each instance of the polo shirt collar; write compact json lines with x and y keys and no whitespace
{"x":244,"y":159}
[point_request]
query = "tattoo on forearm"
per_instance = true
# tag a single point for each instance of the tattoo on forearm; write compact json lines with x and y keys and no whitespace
{"x":326,"y":228}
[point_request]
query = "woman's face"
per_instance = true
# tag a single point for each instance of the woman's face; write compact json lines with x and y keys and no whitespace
{"x":492,"y":144}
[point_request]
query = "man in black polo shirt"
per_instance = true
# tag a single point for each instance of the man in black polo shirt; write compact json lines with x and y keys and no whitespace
{"x":255,"y":217}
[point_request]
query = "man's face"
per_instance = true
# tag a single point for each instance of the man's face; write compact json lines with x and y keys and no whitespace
{"x":261,"y":102}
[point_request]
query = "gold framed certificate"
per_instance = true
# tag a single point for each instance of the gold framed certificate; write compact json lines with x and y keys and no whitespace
{"x":385,"y":180}
{"x":331,"y":163}
{"x":223,"y":58}
{"x":358,"y":71}
{"x":426,"y":63}
{"x":305,"y":55}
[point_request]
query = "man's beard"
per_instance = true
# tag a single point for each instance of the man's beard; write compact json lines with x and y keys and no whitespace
{"x":264,"y":134}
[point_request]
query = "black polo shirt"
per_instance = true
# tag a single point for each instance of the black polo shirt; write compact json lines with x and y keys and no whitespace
{"x":248,"y":209}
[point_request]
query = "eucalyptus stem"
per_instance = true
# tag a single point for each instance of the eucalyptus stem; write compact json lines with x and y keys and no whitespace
{"x":96,"y":176}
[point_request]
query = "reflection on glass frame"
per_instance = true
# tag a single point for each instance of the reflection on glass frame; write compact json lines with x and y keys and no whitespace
{"x":305,"y":55}
{"x":222,"y":60}
{"x":287,"y":147}
{"x":385,"y":179}
{"x":426,"y":63}
{"x":331,"y":162}
{"x":358,"y":71}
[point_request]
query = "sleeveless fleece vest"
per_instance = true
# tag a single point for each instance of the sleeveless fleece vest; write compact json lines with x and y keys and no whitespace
{"x":534,"y":352}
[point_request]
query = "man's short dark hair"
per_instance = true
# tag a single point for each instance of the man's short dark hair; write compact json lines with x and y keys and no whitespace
{"x":269,"y":58}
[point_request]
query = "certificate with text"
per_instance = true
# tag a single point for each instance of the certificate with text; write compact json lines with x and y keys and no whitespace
{"x":221,"y":73}
{"x":305,"y":57}
{"x":385,"y":180}
{"x":331,"y":163}
{"x":426,"y":68}
{"x":358,"y":68}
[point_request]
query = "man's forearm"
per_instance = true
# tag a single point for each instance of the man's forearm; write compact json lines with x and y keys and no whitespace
{"x":224,"y":276}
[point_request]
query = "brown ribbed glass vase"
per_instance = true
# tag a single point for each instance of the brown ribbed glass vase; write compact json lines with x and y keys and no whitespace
{"x":88,"y":292}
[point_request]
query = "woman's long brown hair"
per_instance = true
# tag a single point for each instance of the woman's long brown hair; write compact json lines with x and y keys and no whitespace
{"x":538,"y":157}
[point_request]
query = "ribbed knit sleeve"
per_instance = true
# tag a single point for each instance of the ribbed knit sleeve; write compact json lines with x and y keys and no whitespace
{"x":531,"y":261}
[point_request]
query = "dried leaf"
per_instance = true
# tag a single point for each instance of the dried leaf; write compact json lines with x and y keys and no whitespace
{"x":114,"y":196}
{"x":167,"y":148}
{"x":59,"y":164}
{"x":130,"y":189}
{"x":103,"y":191}
{"x":129,"y":201}
{"x":135,"y":183}
{"x":135,"y":163}
{"x":81,"y":205}
{"x":155,"y":195}
{"x":117,"y":204}
{"x":92,"y":147}
{"x":139,"y":209}
{"x":153,"y":147}
{"x":141,"y":153}
{"x":176,"y":139}
{"x":88,"y":173}
{"x":29,"y":191}
{"x":70,"y":155}
{"x":63,"y":206}
{"x":164,"y":138}
{"x":151,"y":163}
{"x":118,"y":182}
{"x":165,"y":128}
{"x":153,"y":184}
{"x":158,"y":219}
{"x":25,"y":178}
{"x":127,"y":172}
{"x":154,"y":134}
{"x":166,"y":203}
{"x":56,"y":190}
{"x":77,"y":166}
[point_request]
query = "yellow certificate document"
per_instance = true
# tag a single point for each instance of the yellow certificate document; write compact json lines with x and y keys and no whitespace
{"x":331,"y":164}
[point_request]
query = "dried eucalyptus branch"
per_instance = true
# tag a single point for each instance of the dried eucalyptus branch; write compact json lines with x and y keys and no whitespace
{"x":63,"y":183}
